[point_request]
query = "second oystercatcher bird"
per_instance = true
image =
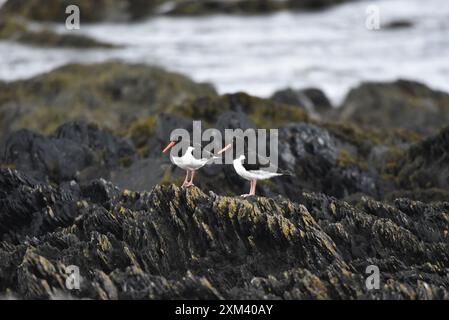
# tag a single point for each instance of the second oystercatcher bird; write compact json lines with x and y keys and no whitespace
{"x":262,"y":169}
{"x":188,"y":161}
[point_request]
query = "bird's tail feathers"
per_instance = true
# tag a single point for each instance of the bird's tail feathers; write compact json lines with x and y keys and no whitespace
{"x":212,"y":159}
{"x":286,"y":172}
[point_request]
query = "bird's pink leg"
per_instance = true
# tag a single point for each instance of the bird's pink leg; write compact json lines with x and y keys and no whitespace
{"x":253,"y":188}
{"x":186,"y":180}
{"x":190,"y":183}
{"x":250,"y":190}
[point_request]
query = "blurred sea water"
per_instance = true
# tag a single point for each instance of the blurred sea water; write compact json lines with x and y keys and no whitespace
{"x":332,"y":50}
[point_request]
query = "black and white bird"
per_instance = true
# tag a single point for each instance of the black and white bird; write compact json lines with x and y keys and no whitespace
{"x":188,"y":161}
{"x":262,"y":169}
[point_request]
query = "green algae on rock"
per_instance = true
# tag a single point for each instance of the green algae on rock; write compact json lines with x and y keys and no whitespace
{"x":111,"y":94}
{"x":264,"y":113}
{"x":173,"y":243}
{"x":425,"y":165}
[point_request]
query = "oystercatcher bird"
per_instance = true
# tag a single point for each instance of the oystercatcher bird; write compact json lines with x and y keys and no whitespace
{"x":188,"y":161}
{"x":262,"y":169}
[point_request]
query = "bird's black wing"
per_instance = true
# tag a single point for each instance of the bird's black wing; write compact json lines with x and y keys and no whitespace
{"x":261,"y":162}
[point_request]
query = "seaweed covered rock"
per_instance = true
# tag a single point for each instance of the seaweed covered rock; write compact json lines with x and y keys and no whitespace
{"x":176,"y":243}
{"x":111,"y":94}
{"x":425,"y":165}
{"x":231,"y":111}
{"x":263,"y":112}
{"x":401,"y":104}
{"x":320,"y":159}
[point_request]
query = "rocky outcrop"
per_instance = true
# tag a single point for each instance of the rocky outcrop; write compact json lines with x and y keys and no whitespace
{"x":401,"y":104}
{"x":320,"y":160}
{"x":313,"y":100}
{"x":426,"y":164}
{"x":111,"y":94}
{"x":75,"y":151}
{"x":177,"y":243}
{"x":262,"y":112}
{"x":315,"y":156}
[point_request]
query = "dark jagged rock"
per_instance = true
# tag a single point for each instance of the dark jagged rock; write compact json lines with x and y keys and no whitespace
{"x":313,"y":100}
{"x":30,"y":209}
{"x":142,"y":174}
{"x":172,"y":243}
{"x":112,"y":94}
{"x":167,"y":122}
{"x":314,"y":155}
{"x":425,"y":165}
{"x":76,"y":151}
{"x":401,"y":104}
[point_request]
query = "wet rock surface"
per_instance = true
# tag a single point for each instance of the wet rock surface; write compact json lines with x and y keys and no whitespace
{"x":176,"y":243}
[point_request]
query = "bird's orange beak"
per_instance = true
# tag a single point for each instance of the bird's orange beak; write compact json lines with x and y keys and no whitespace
{"x":225,"y":148}
{"x":171,"y":144}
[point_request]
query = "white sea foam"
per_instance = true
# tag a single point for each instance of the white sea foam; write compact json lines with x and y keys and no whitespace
{"x":331,"y":50}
